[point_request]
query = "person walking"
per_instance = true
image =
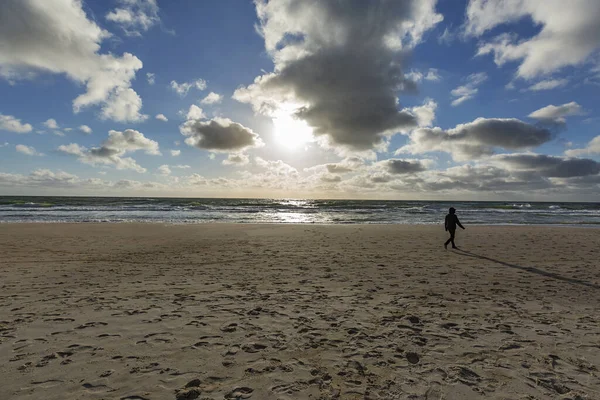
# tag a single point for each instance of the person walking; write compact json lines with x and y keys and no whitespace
{"x":450,"y":225}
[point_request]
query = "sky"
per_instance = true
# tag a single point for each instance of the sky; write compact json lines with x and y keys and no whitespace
{"x":380,"y":99}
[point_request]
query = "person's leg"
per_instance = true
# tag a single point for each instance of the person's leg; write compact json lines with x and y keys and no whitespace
{"x":447,"y":241}
{"x":452,"y":238}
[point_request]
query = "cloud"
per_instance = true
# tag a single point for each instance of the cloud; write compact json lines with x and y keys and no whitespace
{"x":135,"y":16}
{"x":161,"y":117}
{"x":549,"y":166}
{"x":219,"y":135}
{"x":425,"y":114}
{"x":593,"y":147}
{"x":58,"y":38}
{"x":85,"y":129}
{"x":477,"y":139}
{"x":417,"y":76}
{"x":568,"y":34}
{"x":180,"y":166}
{"x":51,"y":124}
{"x":548,"y":84}
{"x":123,"y":105}
{"x":182,"y":89}
{"x":395,"y":166}
{"x":164,"y":170}
{"x":446,"y":37}
{"x":151,"y":78}
{"x":236,"y":159}
{"x":557,"y":113}
{"x":212,"y":98}
{"x":113,"y":149}
{"x":347,"y":165}
{"x":4,"y":144}
{"x":195,"y":113}
{"x":131,"y":140}
{"x":12,"y":124}
{"x":175,"y":153}
{"x":468,"y":91}
{"x":28,"y":150}
{"x":338,"y":65}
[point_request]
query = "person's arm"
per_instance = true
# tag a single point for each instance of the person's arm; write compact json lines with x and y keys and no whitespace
{"x":458,"y":222}
{"x":446,"y":223}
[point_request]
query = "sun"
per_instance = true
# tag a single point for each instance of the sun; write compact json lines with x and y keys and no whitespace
{"x":291,"y":132}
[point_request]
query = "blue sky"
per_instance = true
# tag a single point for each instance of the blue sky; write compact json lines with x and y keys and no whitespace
{"x":476,"y":99}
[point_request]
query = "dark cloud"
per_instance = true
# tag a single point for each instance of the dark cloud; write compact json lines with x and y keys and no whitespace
{"x":352,"y":111}
{"x":219,"y":134}
{"x":478,"y":138}
{"x":404,"y":166}
{"x":340,"y":65}
{"x":550,"y":166}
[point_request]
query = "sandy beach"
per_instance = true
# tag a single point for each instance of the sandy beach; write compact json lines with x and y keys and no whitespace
{"x":126,"y":311}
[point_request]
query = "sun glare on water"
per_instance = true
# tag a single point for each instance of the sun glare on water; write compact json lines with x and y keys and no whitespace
{"x":291,"y":132}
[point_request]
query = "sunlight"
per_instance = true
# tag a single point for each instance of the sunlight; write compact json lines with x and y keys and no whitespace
{"x":291,"y":132}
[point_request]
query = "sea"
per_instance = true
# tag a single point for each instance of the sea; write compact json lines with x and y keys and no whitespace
{"x":298,"y":211}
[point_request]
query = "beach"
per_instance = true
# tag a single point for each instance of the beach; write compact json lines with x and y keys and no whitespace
{"x":235,"y":311}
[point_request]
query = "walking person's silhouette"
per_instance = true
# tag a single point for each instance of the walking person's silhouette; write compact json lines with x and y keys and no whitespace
{"x":450,"y":225}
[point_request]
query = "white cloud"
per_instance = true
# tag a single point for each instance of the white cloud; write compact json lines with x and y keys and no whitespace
{"x":12,"y":124}
{"x":28,"y":150}
{"x":339,"y":72}
{"x":426,"y":113}
{"x":175,"y":153}
{"x":433,"y":75}
{"x":569,"y":33}
{"x":236,"y":159}
{"x":59,"y":133}
{"x":592,"y":148}
{"x":135,"y":16}
{"x":85,"y":129}
{"x":180,"y":166}
{"x":446,"y":37}
{"x":164,"y":170}
{"x":151,"y":78}
{"x":417,"y":76}
{"x":182,"y":89}
{"x":51,"y":124}
{"x":4,"y":144}
{"x":161,"y":117}
{"x":113,"y":149}
{"x":212,"y":98}
{"x":548,"y":84}
{"x":123,"y":105}
{"x":59,"y":38}
{"x":195,"y":113}
{"x":468,"y":91}
{"x":557,"y":113}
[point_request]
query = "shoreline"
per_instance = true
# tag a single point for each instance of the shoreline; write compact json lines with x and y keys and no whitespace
{"x":374,"y":224}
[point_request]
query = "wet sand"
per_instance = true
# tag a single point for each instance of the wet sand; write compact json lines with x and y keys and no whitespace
{"x":130,"y":311}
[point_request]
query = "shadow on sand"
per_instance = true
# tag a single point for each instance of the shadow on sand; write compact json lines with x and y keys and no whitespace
{"x":532,"y":270}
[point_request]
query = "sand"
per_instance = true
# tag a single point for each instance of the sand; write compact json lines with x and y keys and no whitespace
{"x":124,"y":311}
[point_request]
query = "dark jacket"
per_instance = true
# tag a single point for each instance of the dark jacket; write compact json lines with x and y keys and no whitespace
{"x":451,"y":222}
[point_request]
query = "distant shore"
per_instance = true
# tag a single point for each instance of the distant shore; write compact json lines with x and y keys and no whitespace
{"x":291,"y":311}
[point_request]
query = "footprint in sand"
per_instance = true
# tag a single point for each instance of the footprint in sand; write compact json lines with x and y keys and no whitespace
{"x":253,"y":347}
{"x":240,"y":393}
{"x":92,"y":324}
